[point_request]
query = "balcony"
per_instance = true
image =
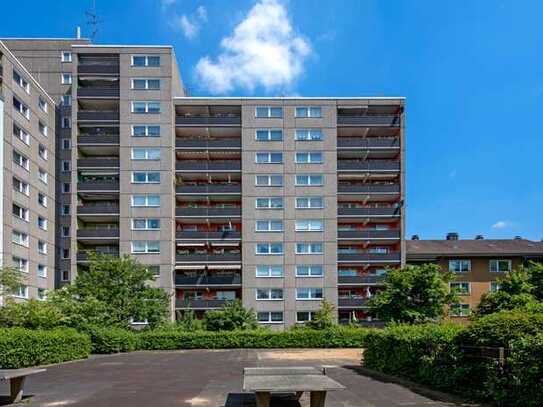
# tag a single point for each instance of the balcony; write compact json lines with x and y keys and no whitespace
{"x":391,"y":257}
{"x":360,"y":280}
{"x":368,"y":142}
{"x":199,"y":304}
{"x":352,"y":302}
{"x":208,"y":258}
{"x":369,"y":212}
{"x":197,"y":166}
{"x":98,"y":92}
{"x":207,"y":144}
{"x":208,"y":120}
{"x":98,"y":186}
{"x":97,"y":163}
{"x":368,"y":234}
{"x":98,"y":116}
{"x":189,"y":235}
{"x":98,"y":69}
{"x":98,"y":139}
{"x":97,"y":233}
{"x":208,"y":189}
{"x":369,"y":189}
{"x":368,"y":165}
{"x":208,"y":212}
{"x":205,"y":280}
{"x":98,"y":209}
{"x":369,"y":121}
{"x":83,"y":256}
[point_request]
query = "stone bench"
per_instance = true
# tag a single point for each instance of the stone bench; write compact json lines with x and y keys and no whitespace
{"x":16,"y":379}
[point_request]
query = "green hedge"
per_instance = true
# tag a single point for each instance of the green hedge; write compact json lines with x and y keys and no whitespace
{"x":111,"y":340}
{"x":297,"y":338}
{"x":20,"y":347}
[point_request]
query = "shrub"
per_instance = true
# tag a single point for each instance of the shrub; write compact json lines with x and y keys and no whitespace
{"x":325,"y":317}
{"x":232,"y":316}
{"x":33,"y":314}
{"x":111,"y":340}
{"x":20,"y":347}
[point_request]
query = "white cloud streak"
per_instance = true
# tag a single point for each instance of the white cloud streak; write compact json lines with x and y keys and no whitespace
{"x":263,"y":50}
{"x":501,"y":224}
{"x":189,"y":28}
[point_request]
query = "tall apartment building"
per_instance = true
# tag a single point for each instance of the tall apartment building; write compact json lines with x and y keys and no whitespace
{"x":278,"y":201}
{"x":27,"y":177}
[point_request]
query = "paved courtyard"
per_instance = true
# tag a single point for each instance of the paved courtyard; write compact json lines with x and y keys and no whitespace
{"x":203,"y":378}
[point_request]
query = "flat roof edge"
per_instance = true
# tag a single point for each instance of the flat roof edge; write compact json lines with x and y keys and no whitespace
{"x":120,"y":46}
{"x":288,"y":97}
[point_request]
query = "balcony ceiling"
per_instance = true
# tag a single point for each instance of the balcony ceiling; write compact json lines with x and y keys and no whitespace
{"x":208,"y":132}
{"x":208,"y":155}
{"x":205,"y":110}
{"x":98,"y":150}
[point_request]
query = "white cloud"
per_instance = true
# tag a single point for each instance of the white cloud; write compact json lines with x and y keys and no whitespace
{"x":202,"y":13}
{"x":189,"y":29}
{"x":166,"y":3}
{"x":263,"y":50}
{"x":190,"y":25}
{"x":501,"y":224}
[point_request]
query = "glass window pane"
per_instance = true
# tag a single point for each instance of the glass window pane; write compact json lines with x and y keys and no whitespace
{"x":153,"y":61}
{"x":276,"y":112}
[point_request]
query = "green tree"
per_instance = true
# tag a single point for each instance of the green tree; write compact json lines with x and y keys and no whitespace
{"x":232,"y":316}
{"x":32,"y":314}
{"x":187,"y":321}
{"x":414,"y":294}
{"x":11,"y":279}
{"x":324,"y":318}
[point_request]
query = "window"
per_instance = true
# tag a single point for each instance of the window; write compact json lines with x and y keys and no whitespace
{"x":42,"y":294}
{"x":145,"y":246}
{"x":19,"y":238}
{"x":145,"y":107}
{"x":66,"y":78}
{"x":459,"y":310}
{"x":145,"y":224}
{"x":65,"y":275}
{"x":145,"y":200}
{"x":21,"y":160}
{"x":269,"y":112}
{"x":304,"y":316}
{"x":42,"y":271}
{"x":269,"y":271}
{"x":66,"y":187}
{"x":309,"y":180}
{"x":20,"y":264}
{"x":20,"y":212}
{"x":309,"y":225}
{"x":309,"y":248}
{"x":145,"y":60}
{"x":309,"y":157}
{"x":66,"y":56}
{"x":269,"y":225}
{"x":269,"y":293}
{"x":145,"y":131}
{"x":308,"y":135}
{"x":65,"y":210}
{"x":21,"y":107}
{"x":65,"y":231}
{"x":154,"y":269}
{"x":309,"y":202}
{"x":269,"y":203}
{"x":42,"y":247}
{"x":65,"y":166}
{"x":65,"y":253}
{"x":500,"y":266}
{"x":42,"y":175}
{"x":460,"y":288}
{"x":42,"y":152}
{"x":66,"y":144}
{"x":309,"y":111}
{"x":269,"y":135}
{"x":270,"y":317}
{"x":66,"y":123}
{"x":269,"y":180}
{"x":21,"y":291}
{"x":22,"y":82}
{"x":459,"y":266}
{"x":42,"y":223}
{"x":146,"y":153}
{"x":21,"y":186}
{"x":21,"y":134}
{"x":146,"y":84}
{"x":310,"y":270}
{"x":42,"y":200}
{"x":269,"y":158}
{"x":42,"y":128}
{"x":494,"y":286}
{"x":269,"y":248}
{"x":66,"y":100}
{"x":309,"y":293}
{"x":42,"y":104}
{"x":146,"y":177}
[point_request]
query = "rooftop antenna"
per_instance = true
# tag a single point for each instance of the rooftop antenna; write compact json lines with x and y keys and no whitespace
{"x":92,"y":20}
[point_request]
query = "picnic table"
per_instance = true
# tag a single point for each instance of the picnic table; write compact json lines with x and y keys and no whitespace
{"x":264,"y":381}
{"x":16,"y":379}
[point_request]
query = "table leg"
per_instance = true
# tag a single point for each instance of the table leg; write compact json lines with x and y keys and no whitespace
{"x":299,"y":394}
{"x":317,"y":398}
{"x":16,"y":385}
{"x":263,"y":399}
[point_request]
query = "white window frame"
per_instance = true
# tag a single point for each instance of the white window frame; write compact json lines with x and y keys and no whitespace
{"x":269,"y":252}
{"x":66,"y":166}
{"x":65,"y":56}
{"x":270,"y":199}
{"x":42,"y":175}
{"x":269,"y":133}
{"x":42,"y":223}
{"x":66,"y":122}
{"x":43,"y":201}
{"x":66,"y":78}
{"x":146,"y":197}
{"x":147,"y":221}
{"x":312,"y":112}
{"x":66,"y":100}
{"x":42,"y":152}
{"x":269,"y":320}
{"x":267,"y":155}
{"x":459,"y":283}
{"x":309,"y":178}
{"x":311,"y":247}
{"x":311,"y":316}
{"x":310,"y":157}
{"x":24,"y":186}
{"x":133,"y":81}
{"x":20,"y":264}
{"x":43,"y":273}
{"x":467,"y":261}
{"x":66,"y":144}
{"x":269,"y":112}
{"x":270,"y":177}
{"x":494,"y":286}
{"x":309,"y":225}
{"x":312,"y":291}
{"x":308,"y":135}
{"x":42,"y":294}
{"x":21,"y":81}
{"x":462,"y":312}
{"x":270,"y":223}
{"x":146,"y":248}
{"x":146,"y":103}
{"x":146,"y":65}
{"x":21,"y":134}
{"x":267,"y":271}
{"x":311,"y":269}
{"x":24,"y":238}
{"x":65,"y":275}
{"x":65,"y":231}
{"x":21,"y":160}
{"x":146,"y":177}
{"x":23,"y":108}
{"x":309,"y":202}
{"x":44,"y":131}
{"x":25,"y":212}
{"x":66,"y":212}
{"x":497,"y":262}
{"x":146,"y":127}
{"x":268,"y":291}
{"x":42,"y":247}
{"x":22,"y":292}
{"x":146,"y":153}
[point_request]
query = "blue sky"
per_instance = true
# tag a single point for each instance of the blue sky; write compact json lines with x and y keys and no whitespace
{"x":471,"y":71}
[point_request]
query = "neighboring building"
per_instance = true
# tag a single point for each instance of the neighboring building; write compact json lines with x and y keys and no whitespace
{"x":278,"y":201}
{"x":477,"y":264}
{"x":27,"y":179}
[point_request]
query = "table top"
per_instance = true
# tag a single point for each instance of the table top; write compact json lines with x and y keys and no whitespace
{"x":6,"y":374}
{"x":290,"y":383}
